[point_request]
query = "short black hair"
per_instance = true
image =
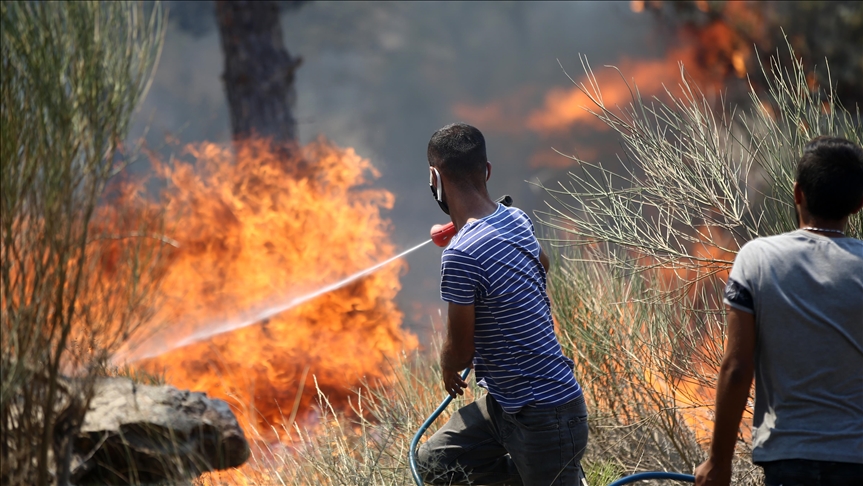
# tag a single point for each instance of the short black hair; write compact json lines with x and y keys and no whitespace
{"x":830,"y":174}
{"x":458,"y":150}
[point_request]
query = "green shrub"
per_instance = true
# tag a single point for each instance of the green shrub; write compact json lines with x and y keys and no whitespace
{"x":76,"y":275}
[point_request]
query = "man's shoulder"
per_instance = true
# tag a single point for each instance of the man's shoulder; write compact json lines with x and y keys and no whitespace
{"x":798,"y":238}
{"x":488,"y":232}
{"x":765,"y":249}
{"x":781,"y":242}
{"x":798,"y":250}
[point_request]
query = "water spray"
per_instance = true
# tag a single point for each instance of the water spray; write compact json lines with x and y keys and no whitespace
{"x":269,"y":312}
{"x":440,"y":235}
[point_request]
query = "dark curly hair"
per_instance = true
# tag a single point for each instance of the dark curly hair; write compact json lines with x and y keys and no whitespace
{"x":458,"y":150}
{"x":830,"y":174}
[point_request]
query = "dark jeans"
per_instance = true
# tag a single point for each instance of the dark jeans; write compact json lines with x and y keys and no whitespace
{"x":800,"y":472}
{"x":482,"y":444}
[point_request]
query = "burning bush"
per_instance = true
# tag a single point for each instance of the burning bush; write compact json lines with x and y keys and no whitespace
{"x":257,"y":230}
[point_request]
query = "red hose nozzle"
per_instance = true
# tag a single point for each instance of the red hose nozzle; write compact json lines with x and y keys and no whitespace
{"x":442,"y":233}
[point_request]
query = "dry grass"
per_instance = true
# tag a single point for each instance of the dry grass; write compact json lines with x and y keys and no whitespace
{"x":698,"y":181}
{"x":636,"y":425}
{"x":367,"y":445}
{"x":648,"y":369}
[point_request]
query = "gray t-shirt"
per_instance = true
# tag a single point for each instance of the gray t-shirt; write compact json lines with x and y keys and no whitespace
{"x":807,"y":296}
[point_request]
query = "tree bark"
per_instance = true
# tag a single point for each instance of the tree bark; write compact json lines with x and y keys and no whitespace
{"x":259,"y":71}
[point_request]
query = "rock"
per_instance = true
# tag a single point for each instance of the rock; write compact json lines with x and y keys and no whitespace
{"x":136,"y":433}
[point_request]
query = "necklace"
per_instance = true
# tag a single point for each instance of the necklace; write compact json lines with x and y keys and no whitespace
{"x":823,"y":230}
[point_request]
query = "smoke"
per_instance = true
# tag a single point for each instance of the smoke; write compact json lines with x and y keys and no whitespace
{"x":382,"y":77}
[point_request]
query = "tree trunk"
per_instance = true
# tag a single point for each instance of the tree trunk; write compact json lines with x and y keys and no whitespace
{"x":259,"y":71}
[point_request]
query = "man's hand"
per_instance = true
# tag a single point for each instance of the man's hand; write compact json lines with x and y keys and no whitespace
{"x":453,"y":383}
{"x":709,"y":473}
{"x":457,"y":352}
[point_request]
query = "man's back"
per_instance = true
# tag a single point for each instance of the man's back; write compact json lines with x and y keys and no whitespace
{"x":494,"y":264}
{"x":807,"y":293}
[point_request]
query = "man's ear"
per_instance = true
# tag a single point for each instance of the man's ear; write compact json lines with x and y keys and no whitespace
{"x":798,"y":194}
{"x":487,"y":170}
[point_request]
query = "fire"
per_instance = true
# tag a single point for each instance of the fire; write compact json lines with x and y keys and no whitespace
{"x":565,"y":108}
{"x":260,"y":229}
{"x":701,"y":279}
{"x":672,"y":373}
{"x":711,"y":53}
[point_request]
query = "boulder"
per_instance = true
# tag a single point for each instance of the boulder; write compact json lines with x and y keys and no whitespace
{"x":135,"y":433}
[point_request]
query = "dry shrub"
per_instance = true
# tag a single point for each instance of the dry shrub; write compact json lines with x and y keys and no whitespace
{"x":637,"y":294}
{"x":367,"y":445}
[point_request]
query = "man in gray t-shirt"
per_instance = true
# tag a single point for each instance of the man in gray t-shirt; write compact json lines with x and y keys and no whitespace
{"x":795,"y":319}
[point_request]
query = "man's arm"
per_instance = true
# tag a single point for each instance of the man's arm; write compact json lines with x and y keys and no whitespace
{"x":458,"y":348}
{"x":732,"y":391}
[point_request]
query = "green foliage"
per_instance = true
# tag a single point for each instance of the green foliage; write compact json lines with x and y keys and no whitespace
{"x":602,"y":473}
{"x":72,"y":289}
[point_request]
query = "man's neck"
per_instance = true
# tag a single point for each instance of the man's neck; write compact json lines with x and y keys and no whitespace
{"x":813,"y":224}
{"x":468,"y":205}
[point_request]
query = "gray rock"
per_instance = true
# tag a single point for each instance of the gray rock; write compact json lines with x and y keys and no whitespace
{"x":136,"y":433}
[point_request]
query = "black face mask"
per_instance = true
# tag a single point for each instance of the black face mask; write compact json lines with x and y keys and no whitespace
{"x":438,"y":195}
{"x":443,"y":207}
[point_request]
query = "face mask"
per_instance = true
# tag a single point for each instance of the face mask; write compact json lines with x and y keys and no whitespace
{"x":438,"y":194}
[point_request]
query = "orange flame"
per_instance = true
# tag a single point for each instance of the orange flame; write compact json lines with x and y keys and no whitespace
{"x":260,"y":229}
{"x":710,"y":53}
{"x":708,"y":270}
{"x":564,"y":108}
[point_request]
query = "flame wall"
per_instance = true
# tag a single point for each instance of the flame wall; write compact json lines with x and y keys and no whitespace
{"x":262,"y":228}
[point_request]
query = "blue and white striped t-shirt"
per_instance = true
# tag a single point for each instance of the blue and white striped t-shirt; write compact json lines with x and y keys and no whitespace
{"x":494,"y":264}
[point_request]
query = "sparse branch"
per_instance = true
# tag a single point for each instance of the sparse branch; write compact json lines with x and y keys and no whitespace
{"x":696,"y":183}
{"x":645,"y":249}
{"x":71,"y":75}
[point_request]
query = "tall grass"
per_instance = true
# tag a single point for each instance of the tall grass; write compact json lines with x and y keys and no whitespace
{"x":367,"y":445}
{"x":648,"y":369}
{"x":77,"y":270}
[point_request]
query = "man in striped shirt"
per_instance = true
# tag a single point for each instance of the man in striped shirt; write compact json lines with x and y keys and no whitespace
{"x":531,"y":426}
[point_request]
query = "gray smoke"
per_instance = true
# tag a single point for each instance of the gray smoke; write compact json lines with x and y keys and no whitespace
{"x":382,"y":77}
